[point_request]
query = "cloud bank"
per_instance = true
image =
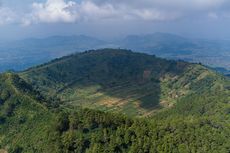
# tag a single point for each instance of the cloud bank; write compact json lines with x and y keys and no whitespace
{"x":73,"y":11}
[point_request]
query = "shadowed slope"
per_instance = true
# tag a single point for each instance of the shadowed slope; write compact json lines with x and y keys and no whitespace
{"x":118,"y":80}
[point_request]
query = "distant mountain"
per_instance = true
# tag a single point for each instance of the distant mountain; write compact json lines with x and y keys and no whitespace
{"x":19,"y":55}
{"x":214,"y":53}
{"x":184,"y":107}
{"x":158,"y":43}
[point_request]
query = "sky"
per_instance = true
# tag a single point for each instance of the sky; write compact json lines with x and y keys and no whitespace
{"x":109,"y":19}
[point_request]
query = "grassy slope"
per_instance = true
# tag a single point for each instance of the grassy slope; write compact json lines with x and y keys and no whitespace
{"x":121,"y":81}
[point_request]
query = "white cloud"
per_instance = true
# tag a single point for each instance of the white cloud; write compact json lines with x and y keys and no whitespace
{"x":169,"y":9}
{"x":7,"y":16}
{"x":72,"y":11}
{"x":54,"y":11}
{"x":93,"y":11}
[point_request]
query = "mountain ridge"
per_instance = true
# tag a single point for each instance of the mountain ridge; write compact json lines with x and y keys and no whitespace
{"x":120,"y":80}
{"x":196,"y":119}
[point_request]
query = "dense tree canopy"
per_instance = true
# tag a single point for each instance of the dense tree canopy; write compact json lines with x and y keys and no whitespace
{"x":197,"y":119}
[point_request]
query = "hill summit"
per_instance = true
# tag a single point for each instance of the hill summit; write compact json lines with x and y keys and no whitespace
{"x":121,"y":81}
{"x":76,"y":104}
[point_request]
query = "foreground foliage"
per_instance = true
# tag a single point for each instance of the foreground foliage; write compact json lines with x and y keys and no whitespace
{"x":198,"y":120}
{"x":93,"y":131}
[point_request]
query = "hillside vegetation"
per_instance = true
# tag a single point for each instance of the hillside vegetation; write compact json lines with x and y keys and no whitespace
{"x":24,"y":120}
{"x":121,"y":81}
{"x":56,"y":107}
{"x":27,"y":125}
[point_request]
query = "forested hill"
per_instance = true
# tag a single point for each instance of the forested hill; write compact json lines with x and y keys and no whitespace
{"x":42,"y":109}
{"x":122,"y":81}
{"x":26,"y":125}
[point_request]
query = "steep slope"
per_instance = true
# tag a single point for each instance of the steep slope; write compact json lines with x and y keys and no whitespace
{"x":24,"y":120}
{"x":121,"y":81}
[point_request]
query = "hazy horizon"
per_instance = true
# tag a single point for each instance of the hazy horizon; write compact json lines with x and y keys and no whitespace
{"x":111,"y":21}
{"x":114,"y":19}
{"x":110,"y":39}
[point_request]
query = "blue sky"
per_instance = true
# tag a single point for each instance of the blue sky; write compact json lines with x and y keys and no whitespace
{"x":114,"y":18}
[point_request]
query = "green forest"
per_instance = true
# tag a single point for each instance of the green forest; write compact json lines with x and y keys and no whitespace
{"x":114,"y":101}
